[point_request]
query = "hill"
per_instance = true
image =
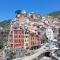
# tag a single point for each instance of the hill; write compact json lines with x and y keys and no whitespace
{"x":5,"y":23}
{"x":4,"y":33}
{"x":54,"y":14}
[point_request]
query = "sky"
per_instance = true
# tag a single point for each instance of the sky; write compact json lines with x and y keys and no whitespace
{"x":8,"y":7}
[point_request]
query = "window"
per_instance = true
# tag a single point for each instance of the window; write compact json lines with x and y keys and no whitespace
{"x":11,"y":45}
{"x":26,"y":44}
{"x":17,"y":45}
{"x":20,"y":44}
{"x":15,"y":31}
{"x":26,"y":36}
{"x":22,"y":47}
{"x":26,"y":32}
{"x":33,"y":38}
{"x":19,"y":40}
{"x":11,"y":40}
{"x":20,"y":32}
{"x":11,"y":36}
{"x":33,"y":43}
{"x":11,"y":32}
{"x":19,"y":36}
{"x":25,"y":40}
{"x":15,"y":36}
{"x":16,"y":40}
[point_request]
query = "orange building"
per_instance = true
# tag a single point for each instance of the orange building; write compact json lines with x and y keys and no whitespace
{"x":34,"y":40}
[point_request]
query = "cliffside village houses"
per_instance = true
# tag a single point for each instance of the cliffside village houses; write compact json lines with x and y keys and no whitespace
{"x":28,"y":29}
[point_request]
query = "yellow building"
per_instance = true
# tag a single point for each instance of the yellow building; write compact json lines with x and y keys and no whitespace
{"x":26,"y":39}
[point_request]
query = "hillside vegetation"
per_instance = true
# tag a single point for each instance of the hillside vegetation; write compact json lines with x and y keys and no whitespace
{"x":54,"y":14}
{"x":5,"y":24}
{"x":4,"y":33}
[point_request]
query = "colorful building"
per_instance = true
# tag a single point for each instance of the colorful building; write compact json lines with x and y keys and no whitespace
{"x":34,"y":40}
{"x":16,"y":38}
{"x":22,"y":33}
{"x":26,"y":39}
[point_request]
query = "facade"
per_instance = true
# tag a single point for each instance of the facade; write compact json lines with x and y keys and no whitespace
{"x":16,"y":39}
{"x":26,"y":39}
{"x":34,"y":40}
